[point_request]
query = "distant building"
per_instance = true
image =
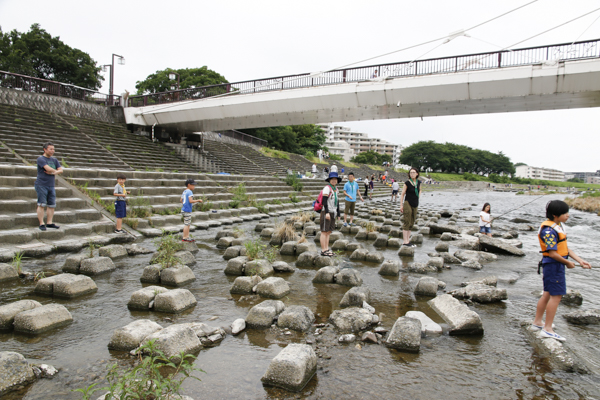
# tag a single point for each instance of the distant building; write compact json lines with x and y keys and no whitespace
{"x":340,"y":148}
{"x":360,"y":142}
{"x":584,"y":176}
{"x":525,"y":171}
{"x":593,"y":179}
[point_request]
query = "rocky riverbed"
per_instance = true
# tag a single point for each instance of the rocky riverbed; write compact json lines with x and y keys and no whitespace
{"x":500,"y":363}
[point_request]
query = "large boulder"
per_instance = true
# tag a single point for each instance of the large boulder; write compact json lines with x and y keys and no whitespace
{"x":406,"y":251}
{"x":359,"y":255}
{"x":479,"y":256}
{"x":339,"y":245}
{"x":174,"y":301}
{"x":42,"y":319}
{"x":262,"y":315}
{"x":113,"y":251}
{"x":307,"y":259}
{"x":405,"y":335}
{"x":281,"y":267}
{"x":66,"y":285}
{"x":141,"y":299}
{"x":381,"y":240}
{"x":458,"y":316}
{"x":244,"y":284}
{"x":326,"y":275}
{"x":131,"y":335}
{"x":427,"y":325}
{"x":390,"y":268}
{"x":427,"y":286}
{"x":177,"y":276}
{"x":304,"y":247}
{"x":352,"y":319}
{"x":185,"y":257}
{"x":375,"y":257}
{"x":288,"y":248}
{"x":175,"y":339}
{"x":583,"y":317}
{"x":348,"y":277}
{"x":480,"y":293}
{"x":15,"y":371}
{"x":261,"y":268}
{"x":292,"y":368}
{"x":324,"y":261}
{"x":436,"y":262}
{"x":232,"y":252}
{"x":499,"y":246}
{"x":151,"y":274}
{"x":225,"y":242}
{"x":355,"y":297}
{"x":273,"y":288}
{"x":73,"y":262}
{"x":8,"y":312}
{"x":296,"y":318}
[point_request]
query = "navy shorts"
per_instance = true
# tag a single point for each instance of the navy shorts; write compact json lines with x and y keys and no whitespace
{"x":394,"y":192}
{"x":485,"y":229}
{"x":120,"y":209}
{"x":46,"y":196}
{"x":555,"y":282}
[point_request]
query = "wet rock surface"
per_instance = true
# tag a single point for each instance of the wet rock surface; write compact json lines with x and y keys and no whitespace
{"x":405,"y":335}
{"x":583,"y":317}
{"x":15,"y":372}
{"x":131,"y":335}
{"x":461,"y":319}
{"x":292,"y":368}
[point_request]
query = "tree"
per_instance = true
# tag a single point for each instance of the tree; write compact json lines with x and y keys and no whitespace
{"x":298,"y":139}
{"x":575,"y":180}
{"x":371,"y":157}
{"x":188,"y":78}
{"x":36,"y":53}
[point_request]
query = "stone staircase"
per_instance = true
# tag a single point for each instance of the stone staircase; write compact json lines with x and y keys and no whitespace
{"x":19,"y":232}
{"x":233,"y":160}
{"x":25,"y":131}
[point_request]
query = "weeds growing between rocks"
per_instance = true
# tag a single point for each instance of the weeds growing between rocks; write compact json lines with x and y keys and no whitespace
{"x":17,"y":261}
{"x":285,"y":231}
{"x":166,"y":247}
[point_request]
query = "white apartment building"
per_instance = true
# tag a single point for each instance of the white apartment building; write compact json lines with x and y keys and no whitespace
{"x":525,"y":171}
{"x":341,"y":148}
{"x":360,"y":142}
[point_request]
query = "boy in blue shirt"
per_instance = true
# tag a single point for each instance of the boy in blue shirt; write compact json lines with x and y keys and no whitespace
{"x":553,"y":241}
{"x":187,"y":199}
{"x":351,"y":192}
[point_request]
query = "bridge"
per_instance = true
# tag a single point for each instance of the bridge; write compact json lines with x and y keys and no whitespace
{"x":559,"y":76}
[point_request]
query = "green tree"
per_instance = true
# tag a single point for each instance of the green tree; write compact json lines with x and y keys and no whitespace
{"x":188,"y":78}
{"x":298,"y":139}
{"x":371,"y":157}
{"x":36,"y":53}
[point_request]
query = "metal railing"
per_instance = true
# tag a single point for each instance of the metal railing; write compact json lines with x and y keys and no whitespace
{"x":53,"y":88}
{"x":444,"y":65}
{"x":244,"y":137}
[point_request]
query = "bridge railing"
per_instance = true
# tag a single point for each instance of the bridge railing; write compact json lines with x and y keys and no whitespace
{"x":443,"y":65}
{"x":53,"y":88}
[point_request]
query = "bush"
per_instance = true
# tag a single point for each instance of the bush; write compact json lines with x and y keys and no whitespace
{"x":285,"y":231}
{"x":294,"y":181}
{"x":154,"y":377}
{"x":239,"y":192}
{"x":470,"y":177}
{"x":254,"y":248}
{"x":166,"y":247}
{"x":206,"y":205}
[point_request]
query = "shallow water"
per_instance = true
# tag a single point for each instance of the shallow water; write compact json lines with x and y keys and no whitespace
{"x":498,"y":365}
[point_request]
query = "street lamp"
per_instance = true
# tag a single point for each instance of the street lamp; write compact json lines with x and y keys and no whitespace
{"x":121,"y":61}
{"x":172,"y":76}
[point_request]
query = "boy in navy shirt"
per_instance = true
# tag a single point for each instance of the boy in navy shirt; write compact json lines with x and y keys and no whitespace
{"x":187,"y":199}
{"x":553,"y":241}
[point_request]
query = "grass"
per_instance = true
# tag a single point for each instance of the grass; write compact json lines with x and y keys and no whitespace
{"x":370,"y":227}
{"x":132,"y":222}
{"x":107,"y":205}
{"x":17,"y":261}
{"x":589,"y":202}
{"x":302,"y":217}
{"x":274,"y":153}
{"x":285,"y":231}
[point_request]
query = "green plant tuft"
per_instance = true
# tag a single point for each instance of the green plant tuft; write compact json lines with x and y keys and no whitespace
{"x":166,"y":247}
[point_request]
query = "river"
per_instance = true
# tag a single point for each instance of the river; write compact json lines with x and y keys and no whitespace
{"x":501,"y":364}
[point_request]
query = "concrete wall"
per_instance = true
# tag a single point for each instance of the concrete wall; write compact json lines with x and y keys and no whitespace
{"x":61,"y":105}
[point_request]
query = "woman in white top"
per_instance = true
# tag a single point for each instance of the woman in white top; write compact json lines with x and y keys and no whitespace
{"x":485,"y":220}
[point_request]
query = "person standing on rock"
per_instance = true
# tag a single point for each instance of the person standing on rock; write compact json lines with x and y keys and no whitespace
{"x":47,"y":169}
{"x":409,"y":204}
{"x":331,"y":210}
{"x":351,"y":192}
{"x":553,"y":241}
{"x":187,"y":199}
{"x":395,"y":189}
{"x":485,"y":220}
{"x":334,"y":168}
{"x":367,"y":182}
{"x":314,"y":170}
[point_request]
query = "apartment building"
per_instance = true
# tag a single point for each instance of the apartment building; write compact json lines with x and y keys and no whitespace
{"x":360,"y":142}
{"x":526,"y":171}
{"x":587,"y":177}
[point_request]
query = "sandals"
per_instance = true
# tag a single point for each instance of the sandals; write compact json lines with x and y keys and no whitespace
{"x":327,"y":253}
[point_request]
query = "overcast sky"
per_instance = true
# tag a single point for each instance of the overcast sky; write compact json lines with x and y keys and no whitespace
{"x":245,"y":40}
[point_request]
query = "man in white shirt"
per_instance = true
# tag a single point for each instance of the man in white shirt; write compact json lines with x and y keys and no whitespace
{"x":333,"y":168}
{"x":395,"y":188}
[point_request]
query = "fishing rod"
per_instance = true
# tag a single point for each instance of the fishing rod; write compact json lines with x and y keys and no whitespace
{"x":521,"y":206}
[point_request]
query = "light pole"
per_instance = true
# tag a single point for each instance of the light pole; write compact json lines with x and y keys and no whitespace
{"x":121,"y":61}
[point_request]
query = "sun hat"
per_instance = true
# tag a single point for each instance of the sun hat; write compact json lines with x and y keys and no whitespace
{"x":333,"y":175}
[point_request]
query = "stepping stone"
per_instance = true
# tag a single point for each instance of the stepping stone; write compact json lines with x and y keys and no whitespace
{"x":177,"y":276}
{"x":292,"y":368}
{"x":326,"y":275}
{"x":141,"y":299}
{"x":296,"y":318}
{"x":480,"y":293}
{"x":351,"y":319}
{"x":66,"y":285}
{"x":174,"y":340}
{"x":135,"y":249}
{"x":355,"y":297}
{"x":15,"y":372}
{"x":132,"y":335}
{"x":174,"y":301}
{"x":273,"y":288}
{"x":244,"y":284}
{"x":113,"y":251}
{"x":390,"y":268}
{"x":461,"y":319}
{"x":8,"y":273}
{"x":42,"y":319}
{"x":8,"y":312}
{"x":235,"y":266}
{"x":406,"y":251}
{"x":262,"y":315}
{"x":427,"y":286}
{"x":405,"y":335}
{"x":428,"y":327}
{"x":96,"y":266}
{"x":348,"y":277}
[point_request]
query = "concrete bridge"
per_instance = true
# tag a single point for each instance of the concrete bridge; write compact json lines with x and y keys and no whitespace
{"x":560,"y":76}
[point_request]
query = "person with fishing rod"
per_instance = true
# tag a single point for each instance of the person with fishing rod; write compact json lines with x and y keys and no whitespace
{"x":556,"y":253}
{"x":485,"y":220}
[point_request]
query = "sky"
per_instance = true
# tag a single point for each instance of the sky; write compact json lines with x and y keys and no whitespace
{"x":245,"y":40}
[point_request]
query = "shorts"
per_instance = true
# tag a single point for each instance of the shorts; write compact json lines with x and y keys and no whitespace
{"x":485,"y":229}
{"x":120,"y":209}
{"x":555,"y":282}
{"x":46,"y":196}
{"x":370,"y":190}
{"x":325,"y":225}
{"x":394,"y":192}
{"x":349,"y":210}
{"x":410,"y":216}
{"x":187,"y":218}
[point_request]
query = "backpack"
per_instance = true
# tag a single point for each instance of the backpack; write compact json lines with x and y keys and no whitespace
{"x":318,"y":204}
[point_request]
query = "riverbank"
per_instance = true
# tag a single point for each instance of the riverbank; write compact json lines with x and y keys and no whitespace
{"x":589,"y":203}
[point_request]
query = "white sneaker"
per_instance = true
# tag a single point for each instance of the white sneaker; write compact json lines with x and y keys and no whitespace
{"x":556,"y":336}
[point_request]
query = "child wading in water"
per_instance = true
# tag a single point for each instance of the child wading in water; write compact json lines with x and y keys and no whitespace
{"x":553,"y":241}
{"x":187,"y":199}
{"x":331,"y":210}
{"x":485,"y":220}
